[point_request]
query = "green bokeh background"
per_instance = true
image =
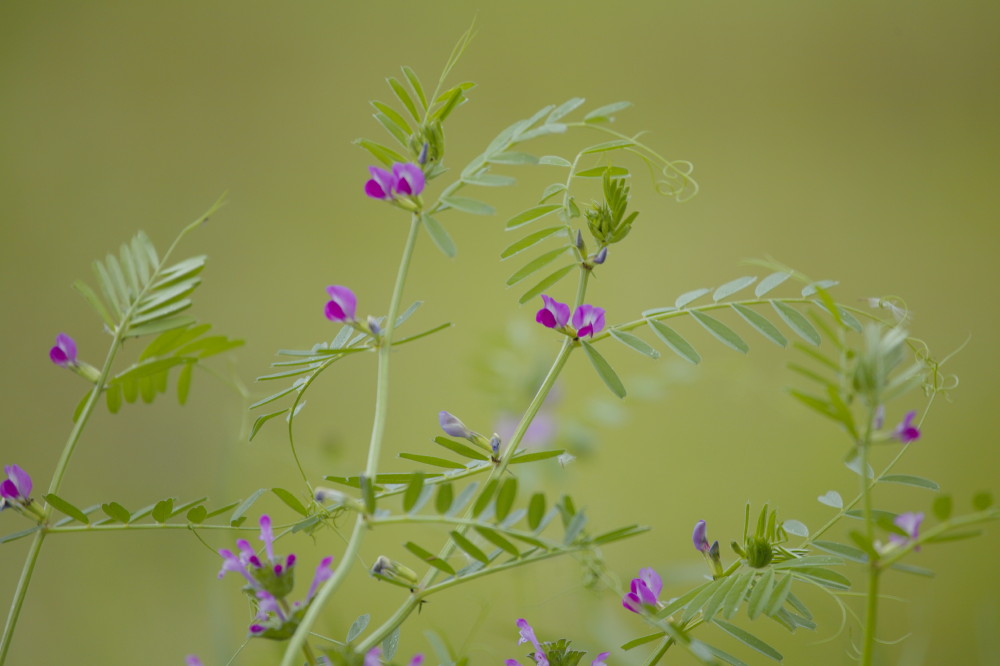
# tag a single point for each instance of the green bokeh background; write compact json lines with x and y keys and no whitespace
{"x":852,"y":140}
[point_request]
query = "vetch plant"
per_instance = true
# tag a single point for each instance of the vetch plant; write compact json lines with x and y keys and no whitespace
{"x":468,"y":512}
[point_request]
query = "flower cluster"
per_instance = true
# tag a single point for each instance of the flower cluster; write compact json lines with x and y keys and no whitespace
{"x":556,"y":652}
{"x":270,"y":581}
{"x":588,"y":320}
{"x":405,"y":180}
{"x":645,"y":592}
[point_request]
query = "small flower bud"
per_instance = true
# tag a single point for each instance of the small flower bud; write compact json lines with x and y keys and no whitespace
{"x":579,"y":239}
{"x":759,"y":553}
{"x":373,"y":326}
{"x":453,"y":426}
{"x":423,"y":154}
{"x":394,"y":572}
{"x":330,"y":495}
{"x":495,"y":445}
{"x":601,"y":256}
{"x":699,"y":537}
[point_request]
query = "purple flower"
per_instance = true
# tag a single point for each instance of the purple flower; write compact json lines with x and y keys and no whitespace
{"x":417,"y":660}
{"x":64,"y":352}
{"x":909,"y":523}
{"x":16,"y":489}
{"x":599,"y":661}
{"x":645,"y":591}
{"x":342,"y":305}
{"x":192,"y":660}
{"x":381,"y":184}
{"x":588,"y":320}
{"x":323,"y":573}
{"x":453,"y":426}
{"x":553,"y":314}
{"x":527,"y":635}
{"x":405,"y":179}
{"x":906,"y":432}
{"x":601,"y":256}
{"x":699,"y":537}
{"x":409,"y":179}
{"x":267,"y":535}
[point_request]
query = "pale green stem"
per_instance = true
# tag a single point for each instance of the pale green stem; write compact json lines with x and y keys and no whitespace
{"x":54,"y":485}
{"x":656,"y":656}
{"x":871,"y":611}
{"x":413,"y":600}
{"x":326,"y":591}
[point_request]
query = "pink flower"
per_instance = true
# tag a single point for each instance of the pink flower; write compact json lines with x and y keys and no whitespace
{"x":906,"y":432}
{"x":700,"y":537}
{"x":16,"y":488}
{"x":553,"y":314}
{"x":588,"y":320}
{"x":342,"y":305}
{"x":909,"y":523}
{"x":64,"y":352}
{"x":645,"y":591}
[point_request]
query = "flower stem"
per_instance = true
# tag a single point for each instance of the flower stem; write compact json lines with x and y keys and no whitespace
{"x":537,"y":401}
{"x":297,"y":643}
{"x":871,"y":610}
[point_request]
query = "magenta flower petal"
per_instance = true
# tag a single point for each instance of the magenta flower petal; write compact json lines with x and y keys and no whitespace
{"x":20,"y":480}
{"x":699,"y":537}
{"x":588,"y":320}
{"x":64,"y":352}
{"x":373,"y":658}
{"x":192,"y":660}
{"x":631,"y":602}
{"x":527,"y":634}
{"x":652,"y":581}
{"x":553,"y":314}
{"x":599,"y":661}
{"x":409,"y":179}
{"x":267,"y":535}
{"x":417,"y":660}
{"x":906,"y":432}
{"x":323,"y":573}
{"x":381,"y":185}
{"x":909,"y":523}
{"x":343,"y":304}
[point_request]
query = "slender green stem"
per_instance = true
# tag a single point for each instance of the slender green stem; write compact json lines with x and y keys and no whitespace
{"x":537,"y":401}
{"x":298,"y":641}
{"x":874,"y":565}
{"x":656,"y":656}
{"x":54,"y":485}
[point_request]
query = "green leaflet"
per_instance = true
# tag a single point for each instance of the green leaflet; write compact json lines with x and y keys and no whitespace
{"x":796,"y":322}
{"x":770,"y":282}
{"x":673,"y":339}
{"x":730,"y":288}
{"x":468,"y":205}
{"x":761,"y":324}
{"x":535,"y":265}
{"x":440,"y":236}
{"x":531,"y":215}
{"x":748,"y":639}
{"x":602,"y":114}
{"x":545,"y":283}
{"x":604,"y":370}
{"x":634,"y":342}
{"x":722,"y":333}
{"x":529,"y":241}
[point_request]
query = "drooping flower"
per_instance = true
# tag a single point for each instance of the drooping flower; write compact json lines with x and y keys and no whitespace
{"x":645,"y":591}
{"x":453,"y":426}
{"x":342,"y":305}
{"x":906,"y":432}
{"x":588,"y":320}
{"x":700,"y":537}
{"x":63,"y":353}
{"x":16,"y":488}
{"x":909,"y":523}
{"x":553,"y":314}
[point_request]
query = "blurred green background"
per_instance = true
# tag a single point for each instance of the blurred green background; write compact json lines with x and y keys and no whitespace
{"x":851,"y":140}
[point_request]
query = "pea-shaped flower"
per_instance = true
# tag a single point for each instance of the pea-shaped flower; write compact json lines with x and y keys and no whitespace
{"x":553,"y":314}
{"x":63,"y":353}
{"x":588,"y":320}
{"x":342,"y":305}
{"x":405,"y":180}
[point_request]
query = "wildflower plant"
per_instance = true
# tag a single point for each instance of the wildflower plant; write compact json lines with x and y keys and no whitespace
{"x":477,"y":516}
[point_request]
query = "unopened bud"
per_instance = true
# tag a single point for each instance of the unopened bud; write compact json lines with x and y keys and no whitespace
{"x":495,"y":445}
{"x":330,"y":495}
{"x":373,"y":326}
{"x":601,"y":256}
{"x":759,"y":553}
{"x":579,"y":239}
{"x":394,"y":572}
{"x":453,"y":426}
{"x":423,"y":154}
